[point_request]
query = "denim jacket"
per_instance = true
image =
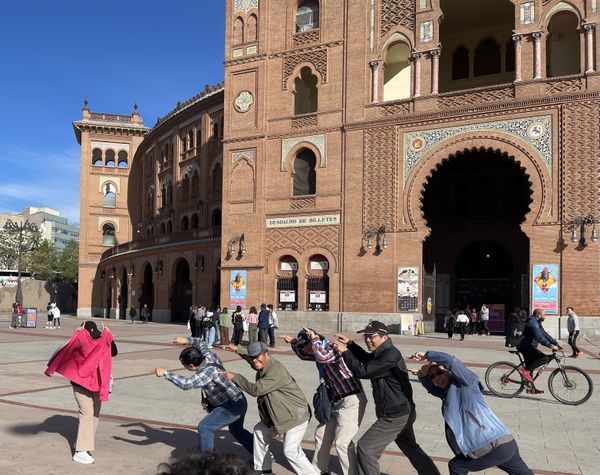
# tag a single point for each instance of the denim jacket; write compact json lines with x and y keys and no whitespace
{"x":471,"y":420}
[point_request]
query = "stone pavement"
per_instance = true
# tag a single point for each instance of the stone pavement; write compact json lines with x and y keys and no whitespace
{"x":148,"y":419}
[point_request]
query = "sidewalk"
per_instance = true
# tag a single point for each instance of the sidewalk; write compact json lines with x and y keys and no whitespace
{"x":148,"y":419}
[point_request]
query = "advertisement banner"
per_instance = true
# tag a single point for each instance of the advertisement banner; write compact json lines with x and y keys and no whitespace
{"x":496,"y":322}
{"x":237,"y":288}
{"x":544,"y":294}
{"x":287,"y":296}
{"x":408,"y":289}
{"x":317,"y":296}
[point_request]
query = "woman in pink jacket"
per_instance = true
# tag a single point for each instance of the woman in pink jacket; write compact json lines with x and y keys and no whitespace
{"x":86,"y":360}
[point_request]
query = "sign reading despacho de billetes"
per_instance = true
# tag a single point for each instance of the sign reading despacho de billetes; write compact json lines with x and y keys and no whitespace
{"x":302,"y":221}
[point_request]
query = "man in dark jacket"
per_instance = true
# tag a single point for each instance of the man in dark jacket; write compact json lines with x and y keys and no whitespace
{"x":263,"y":324}
{"x":534,"y":335}
{"x":392,"y":393}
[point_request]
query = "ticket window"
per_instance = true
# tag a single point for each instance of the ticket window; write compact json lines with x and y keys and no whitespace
{"x":287,"y":284}
{"x":317,"y":284}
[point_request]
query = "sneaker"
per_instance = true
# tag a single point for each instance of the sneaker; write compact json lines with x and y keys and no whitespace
{"x":526,"y":374}
{"x":535,"y":391}
{"x":83,"y":457}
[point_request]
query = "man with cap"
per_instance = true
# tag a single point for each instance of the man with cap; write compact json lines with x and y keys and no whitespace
{"x":392,"y":394}
{"x":282,"y":407}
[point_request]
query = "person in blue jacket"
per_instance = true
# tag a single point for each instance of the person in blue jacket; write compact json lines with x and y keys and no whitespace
{"x":477,"y":437}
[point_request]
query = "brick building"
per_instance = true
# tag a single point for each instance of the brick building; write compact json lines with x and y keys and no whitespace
{"x":414,"y":156}
{"x":379,"y":157}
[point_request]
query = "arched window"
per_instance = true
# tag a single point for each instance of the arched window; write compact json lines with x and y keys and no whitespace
{"x":487,"y":58}
{"x":216,"y":217}
{"x":110,"y":196}
{"x":185,"y":188}
{"x":215,"y":128}
{"x":169,"y":227}
{"x":109,"y":159}
{"x":238,"y":31}
{"x":307,"y":15}
{"x":306,"y":92}
{"x":185,"y":223}
{"x":195,"y":184}
{"x":396,"y":77}
{"x":163,"y":196}
{"x":97,"y":157}
{"x":199,"y":136}
{"x":252,"y":32}
{"x":169,"y":193}
{"x":562,"y":45}
{"x":195,"y":221}
{"x":108,"y":235}
{"x":460,"y":63}
{"x":217,"y":178}
{"x":190,"y":139}
{"x":184,"y":144}
{"x":305,"y":176}
{"x":123,"y":159}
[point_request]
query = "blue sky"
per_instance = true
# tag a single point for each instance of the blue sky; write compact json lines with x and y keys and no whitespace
{"x":54,"y":54}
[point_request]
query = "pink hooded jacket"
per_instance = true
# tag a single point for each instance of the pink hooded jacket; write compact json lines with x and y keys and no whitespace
{"x":85,"y":361}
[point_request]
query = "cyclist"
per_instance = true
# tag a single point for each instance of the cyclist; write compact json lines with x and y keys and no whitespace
{"x":534,"y":335}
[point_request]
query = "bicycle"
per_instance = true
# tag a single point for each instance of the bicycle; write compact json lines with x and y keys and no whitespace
{"x":568,"y":384}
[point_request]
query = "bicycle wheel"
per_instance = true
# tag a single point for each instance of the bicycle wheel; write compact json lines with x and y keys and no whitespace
{"x":503,"y":379}
{"x":572,"y":386}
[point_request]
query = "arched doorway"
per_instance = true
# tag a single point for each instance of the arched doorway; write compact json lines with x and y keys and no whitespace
{"x":147,"y":297}
{"x":287,"y":283}
{"x":317,"y":283}
{"x":123,"y":296}
{"x":474,"y":204}
{"x":181,"y":298}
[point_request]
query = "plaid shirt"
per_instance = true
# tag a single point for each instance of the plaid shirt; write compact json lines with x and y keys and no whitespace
{"x":339,"y":377}
{"x":216,"y":388}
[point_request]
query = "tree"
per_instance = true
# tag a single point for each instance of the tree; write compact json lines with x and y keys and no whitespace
{"x":30,"y":240}
{"x":68,"y":262}
{"x":44,"y":260}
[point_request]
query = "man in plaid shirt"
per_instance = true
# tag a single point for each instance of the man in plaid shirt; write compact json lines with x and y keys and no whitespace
{"x":349,"y":401}
{"x":227,"y":403}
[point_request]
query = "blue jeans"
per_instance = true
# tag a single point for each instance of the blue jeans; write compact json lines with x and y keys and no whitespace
{"x":230,"y":414}
{"x":506,"y":457}
{"x":209,"y":336}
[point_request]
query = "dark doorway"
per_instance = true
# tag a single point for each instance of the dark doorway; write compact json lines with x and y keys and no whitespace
{"x":123,"y":296}
{"x":181,"y":298}
{"x":474,"y":204}
{"x":147,"y":297}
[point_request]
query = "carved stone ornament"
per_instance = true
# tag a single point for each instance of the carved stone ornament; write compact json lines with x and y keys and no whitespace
{"x":535,"y":131}
{"x":287,"y":144}
{"x":243,"y":101}
{"x":244,"y":6}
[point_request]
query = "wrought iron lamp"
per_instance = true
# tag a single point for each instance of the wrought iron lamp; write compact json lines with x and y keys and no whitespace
{"x":377,"y":234}
{"x":579,"y":224}
{"x":236,"y":240}
{"x":159,"y":267}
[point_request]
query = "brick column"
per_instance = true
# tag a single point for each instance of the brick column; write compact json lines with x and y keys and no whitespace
{"x":589,"y":48}
{"x":435,"y":70}
{"x":537,"y":56}
{"x":416,"y":57}
{"x":517,"y":41}
{"x":374,"y":80}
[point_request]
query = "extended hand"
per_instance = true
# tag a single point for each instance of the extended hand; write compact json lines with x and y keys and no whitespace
{"x":342,"y":338}
{"x":160,"y":371}
{"x":228,"y":375}
{"x":418,"y":356}
{"x":311,"y":334}
{"x":231,"y":347}
{"x":341,"y":347}
{"x":180,"y":340}
{"x":286,"y":338}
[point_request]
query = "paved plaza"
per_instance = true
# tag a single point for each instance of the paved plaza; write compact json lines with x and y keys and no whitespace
{"x":148,"y":419}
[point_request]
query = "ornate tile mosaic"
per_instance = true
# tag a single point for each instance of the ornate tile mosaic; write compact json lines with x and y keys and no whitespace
{"x":287,"y":144}
{"x":536,"y":131}
{"x":527,"y":13}
{"x":245,"y":6}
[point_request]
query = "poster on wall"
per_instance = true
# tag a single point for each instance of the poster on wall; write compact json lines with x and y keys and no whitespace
{"x":408,"y":289}
{"x":317,"y":296}
{"x":496,"y":323}
{"x":544,"y":293}
{"x":237,"y":288}
{"x":287,"y":296}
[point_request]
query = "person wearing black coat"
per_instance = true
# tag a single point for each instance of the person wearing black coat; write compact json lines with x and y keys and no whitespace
{"x":263,"y":324}
{"x":392,"y":393}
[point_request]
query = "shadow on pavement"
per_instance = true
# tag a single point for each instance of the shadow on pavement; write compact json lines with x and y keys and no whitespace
{"x":65,"y":426}
{"x":183,"y":441}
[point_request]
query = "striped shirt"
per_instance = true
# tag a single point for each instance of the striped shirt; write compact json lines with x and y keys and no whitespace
{"x":338,"y":376}
{"x":216,"y":388}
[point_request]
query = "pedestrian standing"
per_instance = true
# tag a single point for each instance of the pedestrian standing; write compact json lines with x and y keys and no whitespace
{"x":573,"y":328}
{"x":199,"y":314}
{"x":474,"y":324}
{"x":484,"y":317}
{"x":86,"y":360}
{"x":217,"y":324}
{"x":55,"y":316}
{"x":145,"y":313}
{"x":282,"y":407}
{"x":237,"y":319}
{"x":226,"y":404}
{"x":273,"y":325}
{"x":449,"y":324}
{"x":132,"y":314}
{"x":208,"y":328}
{"x":192,"y":321}
{"x":263,"y":324}
{"x":224,"y":326}
{"x":393,"y":397}
{"x":49,"y":316}
{"x":252,"y":325}
{"x":474,"y":433}
{"x":463,"y":322}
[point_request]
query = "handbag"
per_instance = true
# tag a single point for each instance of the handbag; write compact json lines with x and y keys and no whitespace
{"x":322,"y":400}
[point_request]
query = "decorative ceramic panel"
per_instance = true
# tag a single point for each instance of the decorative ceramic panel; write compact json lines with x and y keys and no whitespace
{"x":244,"y":6}
{"x":243,"y":101}
{"x":527,"y":13}
{"x":426,"y":31}
{"x":109,"y":145}
{"x":287,"y":144}
{"x":536,"y":131}
{"x":239,"y":154}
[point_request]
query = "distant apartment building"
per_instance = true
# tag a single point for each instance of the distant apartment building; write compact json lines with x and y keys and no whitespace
{"x":54,"y":227}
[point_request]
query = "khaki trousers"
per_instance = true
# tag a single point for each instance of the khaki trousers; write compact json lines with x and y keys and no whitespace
{"x":89,"y":404}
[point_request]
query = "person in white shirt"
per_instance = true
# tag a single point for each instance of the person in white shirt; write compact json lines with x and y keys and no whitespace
{"x":273,"y":324}
{"x":463,"y":322}
{"x":55,"y":316}
{"x":573,"y":327}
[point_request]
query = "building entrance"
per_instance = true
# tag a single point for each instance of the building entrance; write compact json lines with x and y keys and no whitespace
{"x":181,"y":299}
{"x":474,"y":204}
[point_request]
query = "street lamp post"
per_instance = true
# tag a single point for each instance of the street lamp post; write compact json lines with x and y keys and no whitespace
{"x":20,"y":230}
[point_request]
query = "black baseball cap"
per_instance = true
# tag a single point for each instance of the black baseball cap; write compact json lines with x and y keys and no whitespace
{"x":92,"y":329}
{"x":375,"y":327}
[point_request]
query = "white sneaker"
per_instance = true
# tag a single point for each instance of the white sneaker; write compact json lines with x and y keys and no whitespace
{"x":83,"y":457}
